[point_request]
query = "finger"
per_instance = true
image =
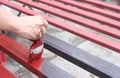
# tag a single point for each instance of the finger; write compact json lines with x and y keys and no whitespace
{"x":45,"y":23}
{"x":40,"y":35}
{"x":40,"y":32}
{"x":33,"y":36}
{"x":35,"y":31}
{"x":43,"y":30}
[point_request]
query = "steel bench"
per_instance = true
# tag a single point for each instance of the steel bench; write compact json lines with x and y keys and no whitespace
{"x":4,"y":73}
{"x":93,"y":64}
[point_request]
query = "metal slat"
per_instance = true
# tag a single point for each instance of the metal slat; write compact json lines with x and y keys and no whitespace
{"x":4,"y":73}
{"x":20,"y":54}
{"x":92,"y":25}
{"x":70,"y":17}
{"x":83,"y":59}
{"x":77,"y":31}
{"x":52,"y":71}
{"x":3,"y":60}
{"x":38,"y":67}
{"x":103,"y":4}
{"x":94,"y":65}
{"x":95,"y":17}
{"x":92,"y":9}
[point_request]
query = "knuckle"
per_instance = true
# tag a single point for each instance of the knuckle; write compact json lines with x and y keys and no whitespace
{"x":40,"y":17}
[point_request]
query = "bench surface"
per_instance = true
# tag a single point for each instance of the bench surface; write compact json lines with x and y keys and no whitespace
{"x":4,"y":73}
{"x":104,"y":20}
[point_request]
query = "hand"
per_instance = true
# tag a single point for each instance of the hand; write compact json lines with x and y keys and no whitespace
{"x":30,"y":27}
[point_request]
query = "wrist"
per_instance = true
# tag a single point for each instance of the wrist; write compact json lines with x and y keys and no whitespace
{"x":13,"y":24}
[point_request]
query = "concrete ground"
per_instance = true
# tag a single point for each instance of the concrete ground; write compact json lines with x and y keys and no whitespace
{"x":86,"y":45}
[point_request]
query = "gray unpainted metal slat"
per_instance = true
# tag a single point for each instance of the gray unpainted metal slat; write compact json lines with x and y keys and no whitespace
{"x":89,"y":62}
{"x":52,"y":71}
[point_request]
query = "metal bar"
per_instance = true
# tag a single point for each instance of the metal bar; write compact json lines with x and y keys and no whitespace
{"x":70,"y":49}
{"x":39,"y":67}
{"x":4,"y":73}
{"x":3,"y":60}
{"x":20,"y":12}
{"x":77,"y":31}
{"x":91,"y":25}
{"x":53,"y":71}
{"x":92,"y":9}
{"x":91,"y":63}
{"x":119,"y":5}
{"x":20,"y":54}
{"x":118,"y":2}
{"x":24,"y":6}
{"x":74,"y":18}
{"x":102,"y":4}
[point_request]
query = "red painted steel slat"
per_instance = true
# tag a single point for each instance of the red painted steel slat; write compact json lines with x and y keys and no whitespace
{"x":4,"y":73}
{"x":86,"y":14}
{"x":77,"y":31}
{"x":92,"y":9}
{"x":70,"y":9}
{"x":3,"y":60}
{"x":103,"y":4}
{"x":20,"y":54}
{"x":39,"y":66}
{"x":92,"y":25}
{"x":65,"y":15}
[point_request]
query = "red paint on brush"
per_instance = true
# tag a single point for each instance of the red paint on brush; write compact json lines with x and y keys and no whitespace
{"x":36,"y":50}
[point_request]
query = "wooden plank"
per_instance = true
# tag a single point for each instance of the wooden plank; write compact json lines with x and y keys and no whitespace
{"x":89,"y":62}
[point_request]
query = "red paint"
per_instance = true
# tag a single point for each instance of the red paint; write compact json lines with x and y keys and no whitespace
{"x":20,"y":54}
{"x":92,"y":9}
{"x":35,"y":46}
{"x":74,"y":18}
{"x":3,"y":60}
{"x":103,"y":4}
{"x":4,"y":73}
{"x":89,"y":24}
{"x":75,"y":30}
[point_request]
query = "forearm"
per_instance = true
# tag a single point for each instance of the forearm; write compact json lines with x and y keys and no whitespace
{"x":7,"y":20}
{"x":30,"y":27}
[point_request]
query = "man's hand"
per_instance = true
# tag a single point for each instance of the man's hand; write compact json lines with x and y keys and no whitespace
{"x":30,"y":27}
